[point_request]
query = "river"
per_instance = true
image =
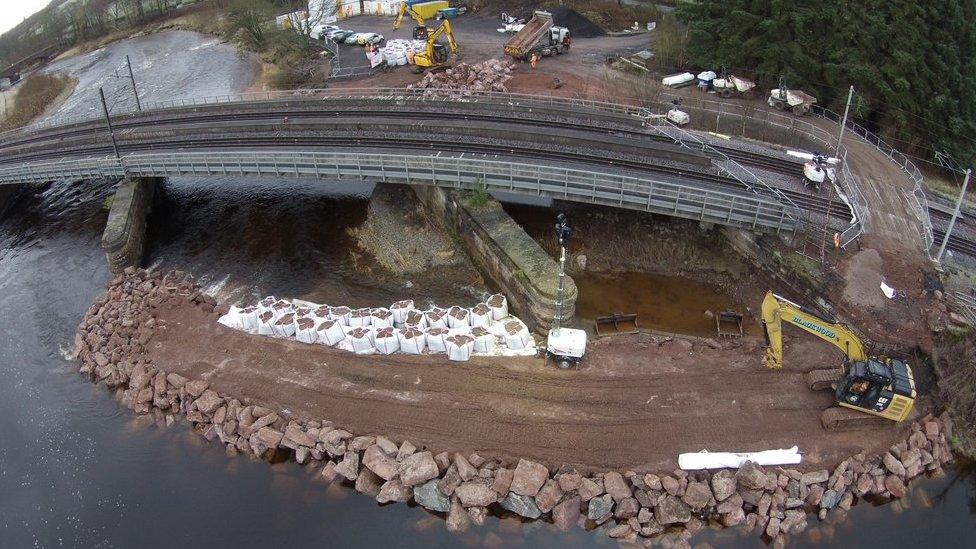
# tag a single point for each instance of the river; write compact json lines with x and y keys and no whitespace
{"x":77,"y":469}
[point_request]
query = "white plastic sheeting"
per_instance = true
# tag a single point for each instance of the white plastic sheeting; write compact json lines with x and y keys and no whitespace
{"x":724,"y":460}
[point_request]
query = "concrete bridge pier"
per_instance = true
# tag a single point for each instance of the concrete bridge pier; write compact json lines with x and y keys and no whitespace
{"x":504,"y":253}
{"x":124,"y":239}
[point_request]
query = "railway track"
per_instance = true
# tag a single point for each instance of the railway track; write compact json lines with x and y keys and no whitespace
{"x":713,"y":181}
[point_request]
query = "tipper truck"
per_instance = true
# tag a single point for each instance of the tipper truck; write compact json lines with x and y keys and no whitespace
{"x":539,"y":36}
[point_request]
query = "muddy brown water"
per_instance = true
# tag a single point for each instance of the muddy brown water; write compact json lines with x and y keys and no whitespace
{"x":662,"y":303}
{"x":78,"y":470}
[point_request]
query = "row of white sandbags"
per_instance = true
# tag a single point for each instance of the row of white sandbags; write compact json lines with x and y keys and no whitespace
{"x":400,"y":314}
{"x":456,"y":331}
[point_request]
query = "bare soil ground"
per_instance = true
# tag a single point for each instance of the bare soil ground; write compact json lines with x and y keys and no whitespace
{"x":635,"y":404}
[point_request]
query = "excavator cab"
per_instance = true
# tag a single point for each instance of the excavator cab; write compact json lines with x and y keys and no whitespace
{"x":878,"y":386}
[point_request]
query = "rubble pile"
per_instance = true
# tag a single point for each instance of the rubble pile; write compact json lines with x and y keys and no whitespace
{"x":487,"y":76}
{"x":111,"y":344}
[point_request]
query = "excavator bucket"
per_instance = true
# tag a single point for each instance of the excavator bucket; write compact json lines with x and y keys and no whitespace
{"x":616,"y":324}
{"x":728,"y":324}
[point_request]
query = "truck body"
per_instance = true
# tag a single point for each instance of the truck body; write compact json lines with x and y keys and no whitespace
{"x":539,"y":36}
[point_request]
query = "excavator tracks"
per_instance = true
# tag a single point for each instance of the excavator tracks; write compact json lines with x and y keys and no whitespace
{"x":839,"y":418}
{"x":821,"y":380}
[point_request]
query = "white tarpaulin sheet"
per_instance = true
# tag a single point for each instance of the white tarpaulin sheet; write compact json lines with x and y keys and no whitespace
{"x":733,"y":460}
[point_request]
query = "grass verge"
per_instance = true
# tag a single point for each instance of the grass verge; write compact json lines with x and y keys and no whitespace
{"x":34,"y":96}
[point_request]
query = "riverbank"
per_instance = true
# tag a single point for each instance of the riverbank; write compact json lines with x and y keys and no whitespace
{"x":139,"y":339}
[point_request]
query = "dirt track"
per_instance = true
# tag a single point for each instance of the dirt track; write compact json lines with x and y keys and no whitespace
{"x":634,"y":406}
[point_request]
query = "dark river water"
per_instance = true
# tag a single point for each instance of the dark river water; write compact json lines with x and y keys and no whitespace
{"x":78,"y":470}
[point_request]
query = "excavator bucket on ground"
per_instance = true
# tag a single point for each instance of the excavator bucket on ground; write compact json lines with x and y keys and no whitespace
{"x":616,"y":324}
{"x":728,"y":324}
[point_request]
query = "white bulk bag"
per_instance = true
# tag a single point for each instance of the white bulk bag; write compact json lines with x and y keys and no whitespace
{"x":459,"y":347}
{"x":285,"y":325}
{"x":386,"y":341}
{"x":413,"y":341}
{"x":330,"y":332}
{"x":498,"y":305}
{"x":361,"y":339}
{"x":484,"y":341}
{"x":382,"y":318}
{"x":302,"y":311}
{"x":458,"y":317}
{"x":435,"y":339}
{"x":281,"y":307}
{"x":266,"y":303}
{"x":360,"y":317}
{"x":341,"y":314}
{"x":305,"y":329}
{"x":517,"y":336}
{"x":266,"y":323}
{"x":249,"y":319}
{"x":322,"y":313}
{"x":400,"y":310}
{"x":436,"y":318}
{"x":415,"y":319}
{"x":481,"y":315}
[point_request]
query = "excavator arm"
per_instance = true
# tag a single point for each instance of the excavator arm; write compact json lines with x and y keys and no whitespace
{"x":777,"y":309}
{"x":406,"y":8}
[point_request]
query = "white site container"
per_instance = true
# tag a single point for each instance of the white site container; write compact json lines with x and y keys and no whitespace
{"x":382,"y":318}
{"x":360,"y":317}
{"x":481,"y":315}
{"x":436,"y":318}
{"x":459,"y":347}
{"x":285,"y":325}
{"x":386,"y":340}
{"x":361,"y":339}
{"x":266,"y":322}
{"x":458,"y":317}
{"x":415,"y":319}
{"x":305,"y":329}
{"x":435,"y":339}
{"x":517,"y":336}
{"x":498,"y":305}
{"x":330,"y":332}
{"x":413,"y":341}
{"x":400,"y":310}
{"x":484,"y":340}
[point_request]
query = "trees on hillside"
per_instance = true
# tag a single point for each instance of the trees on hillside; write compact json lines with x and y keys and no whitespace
{"x":913,"y":63}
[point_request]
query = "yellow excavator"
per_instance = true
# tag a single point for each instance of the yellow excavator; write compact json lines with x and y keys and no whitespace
{"x":435,"y":55}
{"x":406,"y":8}
{"x":880,"y":386}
